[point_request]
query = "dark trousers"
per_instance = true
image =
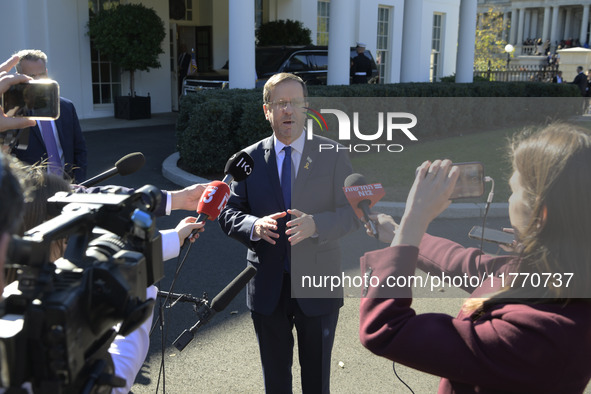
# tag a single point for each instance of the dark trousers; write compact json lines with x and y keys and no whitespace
{"x":315,"y":340}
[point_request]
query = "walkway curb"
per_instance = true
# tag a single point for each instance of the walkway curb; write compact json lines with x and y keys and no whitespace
{"x":455,"y":211}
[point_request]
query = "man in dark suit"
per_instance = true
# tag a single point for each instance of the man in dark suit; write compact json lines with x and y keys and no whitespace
{"x":557,"y":78}
{"x":289,"y":235}
{"x":68,"y":142}
{"x":581,"y":81}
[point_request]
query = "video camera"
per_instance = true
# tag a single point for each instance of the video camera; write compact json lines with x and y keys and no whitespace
{"x":56,"y":328}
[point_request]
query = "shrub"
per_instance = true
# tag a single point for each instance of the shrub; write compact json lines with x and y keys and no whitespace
{"x":283,"y":32}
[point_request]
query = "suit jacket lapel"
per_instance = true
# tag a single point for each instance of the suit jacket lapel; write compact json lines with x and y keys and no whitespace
{"x":305,"y":168}
{"x":272,"y":171}
{"x":35,"y":132}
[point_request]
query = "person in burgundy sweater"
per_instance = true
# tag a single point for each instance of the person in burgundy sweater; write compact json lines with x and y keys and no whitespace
{"x":524,"y":337}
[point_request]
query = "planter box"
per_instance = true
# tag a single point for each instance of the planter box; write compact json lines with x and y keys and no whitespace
{"x":138,"y":107}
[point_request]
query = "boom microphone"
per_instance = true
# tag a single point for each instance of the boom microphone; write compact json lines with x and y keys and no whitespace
{"x":219,"y":303}
{"x":362,"y":197}
{"x":127,"y":165}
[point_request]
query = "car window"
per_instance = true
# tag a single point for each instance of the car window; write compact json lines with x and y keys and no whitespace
{"x":319,"y":61}
{"x":268,"y":60}
{"x":297,"y":62}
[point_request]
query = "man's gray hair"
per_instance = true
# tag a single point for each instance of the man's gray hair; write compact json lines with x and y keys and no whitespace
{"x":32,"y":55}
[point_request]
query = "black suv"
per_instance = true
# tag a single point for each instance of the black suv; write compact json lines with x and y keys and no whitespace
{"x":310,"y":63}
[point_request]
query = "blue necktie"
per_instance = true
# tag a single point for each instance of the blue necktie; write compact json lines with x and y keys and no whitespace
{"x":286,"y":189}
{"x":286,"y":177}
{"x":54,"y":163}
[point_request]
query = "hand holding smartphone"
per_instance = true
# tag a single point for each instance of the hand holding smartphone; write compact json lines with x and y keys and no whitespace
{"x":470,"y":183}
{"x":37,"y":99}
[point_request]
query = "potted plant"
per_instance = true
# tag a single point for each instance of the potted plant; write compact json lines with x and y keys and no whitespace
{"x":130,"y":36}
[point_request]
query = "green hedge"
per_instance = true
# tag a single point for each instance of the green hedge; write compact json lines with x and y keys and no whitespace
{"x":214,"y":124}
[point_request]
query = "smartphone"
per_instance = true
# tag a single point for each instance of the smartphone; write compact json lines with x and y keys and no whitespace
{"x":490,"y":235}
{"x":37,"y":99}
{"x":470,"y":182}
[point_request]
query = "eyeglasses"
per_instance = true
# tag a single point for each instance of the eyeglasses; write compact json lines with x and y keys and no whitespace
{"x":282,"y":104}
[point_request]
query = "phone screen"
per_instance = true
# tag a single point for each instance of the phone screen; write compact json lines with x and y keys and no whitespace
{"x":490,"y":235}
{"x":470,"y":182}
{"x":38,"y":99}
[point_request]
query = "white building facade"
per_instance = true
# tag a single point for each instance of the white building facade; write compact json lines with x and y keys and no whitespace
{"x":414,"y":41}
{"x":563,"y":22}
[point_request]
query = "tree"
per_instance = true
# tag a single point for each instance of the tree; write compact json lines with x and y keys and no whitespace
{"x":490,"y":46}
{"x":283,"y":32}
{"x":129,"y":35}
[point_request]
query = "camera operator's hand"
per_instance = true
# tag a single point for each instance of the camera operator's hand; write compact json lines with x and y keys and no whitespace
{"x":386,"y":227}
{"x":7,"y":80}
{"x":186,"y":226}
{"x":428,"y":197}
{"x":188,"y":198}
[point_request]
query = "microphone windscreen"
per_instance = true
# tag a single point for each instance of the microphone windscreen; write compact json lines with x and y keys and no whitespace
{"x":214,"y":199}
{"x":239,"y":166}
{"x":221,"y":301}
{"x":130,"y":163}
{"x":355,"y":180}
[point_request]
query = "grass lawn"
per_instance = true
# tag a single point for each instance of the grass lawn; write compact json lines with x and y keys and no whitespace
{"x":395,"y":171}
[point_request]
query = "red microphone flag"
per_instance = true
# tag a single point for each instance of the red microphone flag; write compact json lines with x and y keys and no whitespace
{"x":356,"y":194}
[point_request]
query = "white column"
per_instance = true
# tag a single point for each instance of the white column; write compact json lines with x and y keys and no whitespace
{"x":513,"y":35}
{"x":527,"y":25}
{"x":410,"y":70}
{"x":466,"y":39}
{"x":567,"y":23}
{"x":554,"y":30}
{"x":242,"y":65}
{"x":342,"y":18}
{"x":533,"y":30}
{"x":546,"y":27}
{"x":520,"y":26}
{"x":584,"y":23}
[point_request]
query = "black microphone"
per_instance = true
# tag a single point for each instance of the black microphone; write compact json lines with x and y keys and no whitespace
{"x":219,"y":303}
{"x":363,"y":204}
{"x":238,"y":167}
{"x":127,"y":165}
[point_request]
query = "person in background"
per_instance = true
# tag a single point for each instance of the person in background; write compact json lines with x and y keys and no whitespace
{"x":558,"y":77}
{"x":360,"y":66}
{"x":512,"y":336}
{"x":581,"y":81}
{"x":59,"y":142}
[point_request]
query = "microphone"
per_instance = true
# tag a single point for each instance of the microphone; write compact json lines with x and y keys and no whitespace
{"x":127,"y":165}
{"x":219,"y":303}
{"x":213,"y":200}
{"x":362,"y":197}
{"x":238,"y":167}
